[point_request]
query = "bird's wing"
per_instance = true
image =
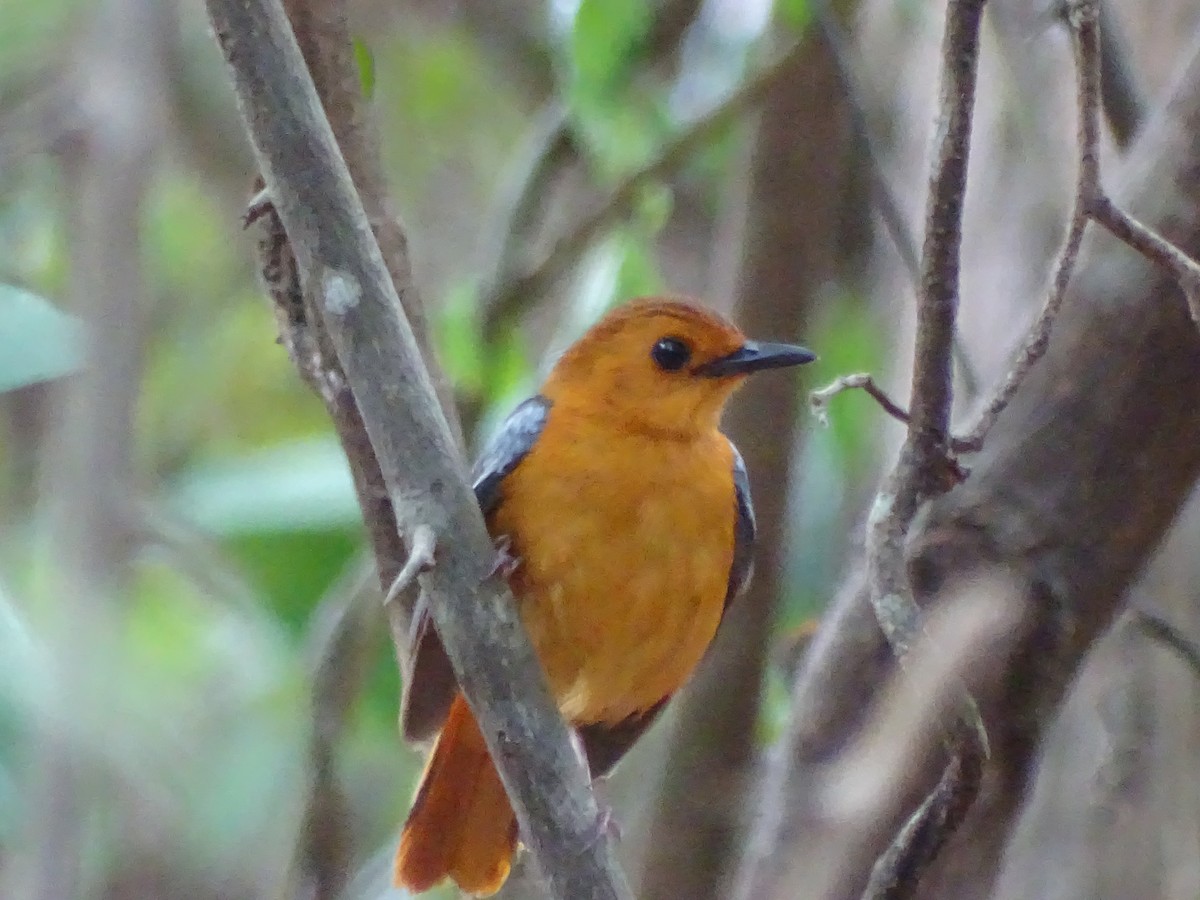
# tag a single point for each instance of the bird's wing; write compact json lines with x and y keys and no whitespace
{"x":744,"y":530}
{"x":430,"y":685}
{"x":507,"y":448}
{"x":605,"y":744}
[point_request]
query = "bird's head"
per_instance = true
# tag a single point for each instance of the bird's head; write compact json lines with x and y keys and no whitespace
{"x":661,"y":365}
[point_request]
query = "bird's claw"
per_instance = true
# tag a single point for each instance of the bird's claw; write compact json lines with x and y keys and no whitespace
{"x":606,"y":825}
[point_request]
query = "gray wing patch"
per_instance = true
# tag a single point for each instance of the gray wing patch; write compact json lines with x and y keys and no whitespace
{"x":507,"y":448}
{"x":743,"y":530}
{"x":429,"y":685}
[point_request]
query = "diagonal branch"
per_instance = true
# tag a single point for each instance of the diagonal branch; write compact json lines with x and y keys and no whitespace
{"x":349,"y":295}
{"x":530,"y":285}
{"x":1091,"y":203}
{"x":554,"y":148}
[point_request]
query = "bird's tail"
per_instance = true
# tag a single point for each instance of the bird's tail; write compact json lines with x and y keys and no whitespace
{"x":461,"y":825}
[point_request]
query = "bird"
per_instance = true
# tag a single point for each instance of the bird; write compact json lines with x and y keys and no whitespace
{"x":628,"y":519}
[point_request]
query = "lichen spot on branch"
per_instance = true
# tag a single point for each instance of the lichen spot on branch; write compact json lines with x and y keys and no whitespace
{"x":340,"y":292}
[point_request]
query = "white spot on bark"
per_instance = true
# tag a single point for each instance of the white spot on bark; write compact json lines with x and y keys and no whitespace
{"x":340,"y":291}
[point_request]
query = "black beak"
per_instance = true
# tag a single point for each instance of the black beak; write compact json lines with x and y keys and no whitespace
{"x":753,"y":356}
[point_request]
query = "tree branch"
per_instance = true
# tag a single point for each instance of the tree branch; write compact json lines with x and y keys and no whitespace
{"x":1084,"y":17}
{"x":349,"y":295}
{"x":554,"y":148}
{"x":1037,"y":339}
{"x":323,"y":34}
{"x":342,"y":633}
{"x":1091,"y":202}
{"x":1103,"y":408}
{"x":925,"y":468}
{"x":1074,"y":488}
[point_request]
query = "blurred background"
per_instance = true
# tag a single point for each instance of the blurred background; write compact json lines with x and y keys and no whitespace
{"x":179,"y":538}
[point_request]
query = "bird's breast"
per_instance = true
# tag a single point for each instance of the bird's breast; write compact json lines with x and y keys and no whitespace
{"x":625,"y":546}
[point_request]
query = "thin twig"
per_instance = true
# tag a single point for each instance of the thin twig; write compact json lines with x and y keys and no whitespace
{"x":885,"y":198}
{"x":532,"y":284}
{"x":1153,"y":246}
{"x":352,"y":298}
{"x":1037,"y":339}
{"x":1169,"y":636}
{"x":897,"y":873}
{"x":818,"y":400}
{"x":342,"y":632}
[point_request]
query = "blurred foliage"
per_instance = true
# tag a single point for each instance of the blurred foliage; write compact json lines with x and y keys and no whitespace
{"x":38,"y":342}
{"x":205,"y":706}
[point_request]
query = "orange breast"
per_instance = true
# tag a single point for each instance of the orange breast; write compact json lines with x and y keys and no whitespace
{"x":625,"y":542}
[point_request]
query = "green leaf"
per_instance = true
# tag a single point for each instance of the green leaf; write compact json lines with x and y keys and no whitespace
{"x":605,"y":35}
{"x":301,"y":485}
{"x":456,"y":329}
{"x":38,"y":342}
{"x":366,"y":67}
{"x":794,"y":14}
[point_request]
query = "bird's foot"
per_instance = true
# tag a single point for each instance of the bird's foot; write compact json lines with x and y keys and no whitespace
{"x":505,"y":561}
{"x":606,"y":825}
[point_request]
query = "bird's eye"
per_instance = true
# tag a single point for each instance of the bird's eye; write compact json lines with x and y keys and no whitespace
{"x":670,"y":354}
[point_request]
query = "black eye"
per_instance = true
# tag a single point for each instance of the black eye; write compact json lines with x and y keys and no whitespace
{"x":670,"y":354}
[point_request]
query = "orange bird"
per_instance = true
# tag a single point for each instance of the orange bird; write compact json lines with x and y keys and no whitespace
{"x":629,"y":514}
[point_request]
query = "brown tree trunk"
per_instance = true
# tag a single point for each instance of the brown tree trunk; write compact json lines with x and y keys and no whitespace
{"x":1079,"y":481}
{"x":788,"y":253}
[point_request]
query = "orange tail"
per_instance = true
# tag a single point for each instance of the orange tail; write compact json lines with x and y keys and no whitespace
{"x":461,"y":824}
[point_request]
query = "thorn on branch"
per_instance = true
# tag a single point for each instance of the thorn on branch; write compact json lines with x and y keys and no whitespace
{"x":420,"y":560}
{"x":257,"y":207}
